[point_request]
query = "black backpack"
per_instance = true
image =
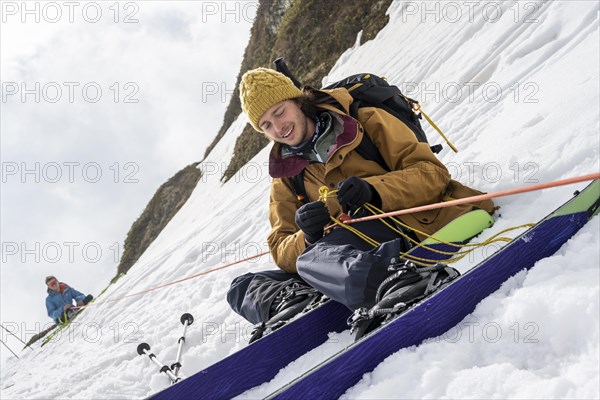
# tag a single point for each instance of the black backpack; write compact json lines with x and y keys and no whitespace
{"x":367,"y":90}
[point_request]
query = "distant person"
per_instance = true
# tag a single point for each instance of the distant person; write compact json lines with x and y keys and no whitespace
{"x":59,"y":302}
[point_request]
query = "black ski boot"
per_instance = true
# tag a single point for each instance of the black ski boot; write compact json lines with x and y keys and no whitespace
{"x":291,"y":301}
{"x":406,"y":286}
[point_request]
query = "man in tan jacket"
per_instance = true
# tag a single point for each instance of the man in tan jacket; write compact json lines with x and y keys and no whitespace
{"x":313,"y":134}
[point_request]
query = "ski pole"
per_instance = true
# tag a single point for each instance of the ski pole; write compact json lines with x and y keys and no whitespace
{"x":5,"y":345}
{"x":186,"y":320}
{"x":144,"y":349}
{"x":480,"y":197}
{"x":21,"y":340}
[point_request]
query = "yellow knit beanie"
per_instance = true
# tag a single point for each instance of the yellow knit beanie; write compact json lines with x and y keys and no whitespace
{"x":261,"y":89}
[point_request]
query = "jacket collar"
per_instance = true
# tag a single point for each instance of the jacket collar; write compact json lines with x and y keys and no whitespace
{"x":61,"y":288}
{"x":318,"y":147}
{"x":287,"y":167}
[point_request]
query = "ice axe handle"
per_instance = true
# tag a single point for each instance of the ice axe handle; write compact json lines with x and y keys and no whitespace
{"x":281,"y":66}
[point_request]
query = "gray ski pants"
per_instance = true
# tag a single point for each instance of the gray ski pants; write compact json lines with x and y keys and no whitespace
{"x":341,"y":266}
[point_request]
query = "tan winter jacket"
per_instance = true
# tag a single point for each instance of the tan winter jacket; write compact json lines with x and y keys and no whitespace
{"x":417,"y":177}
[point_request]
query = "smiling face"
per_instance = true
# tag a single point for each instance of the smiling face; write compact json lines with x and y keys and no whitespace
{"x":286,"y":123}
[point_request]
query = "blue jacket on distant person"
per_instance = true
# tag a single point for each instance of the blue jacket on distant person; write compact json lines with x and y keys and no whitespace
{"x":57,"y":299}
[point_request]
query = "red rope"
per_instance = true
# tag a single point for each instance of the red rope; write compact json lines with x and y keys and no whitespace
{"x":175,"y":282}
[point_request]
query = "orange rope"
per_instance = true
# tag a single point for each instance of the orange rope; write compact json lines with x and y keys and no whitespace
{"x":175,"y":282}
{"x":394,"y":213}
{"x":481,"y":197}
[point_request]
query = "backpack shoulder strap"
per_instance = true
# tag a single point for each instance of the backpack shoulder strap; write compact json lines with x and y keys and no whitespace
{"x":367,"y":150}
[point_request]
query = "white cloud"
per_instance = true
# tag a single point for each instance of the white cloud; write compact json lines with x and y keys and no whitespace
{"x":164,"y":61}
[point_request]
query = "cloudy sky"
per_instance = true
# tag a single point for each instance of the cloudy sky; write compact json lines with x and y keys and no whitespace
{"x":101,"y":103}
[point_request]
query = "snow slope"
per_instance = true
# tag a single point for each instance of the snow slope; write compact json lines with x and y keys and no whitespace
{"x":536,"y":337}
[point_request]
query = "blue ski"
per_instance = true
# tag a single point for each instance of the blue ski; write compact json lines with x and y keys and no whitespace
{"x":437,"y":314}
{"x":262,"y":360}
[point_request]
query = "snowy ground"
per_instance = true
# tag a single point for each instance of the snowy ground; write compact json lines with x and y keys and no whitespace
{"x":531,"y":116}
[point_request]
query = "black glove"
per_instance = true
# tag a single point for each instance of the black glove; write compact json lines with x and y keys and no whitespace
{"x":87,"y":299}
{"x":311,"y":218}
{"x":355,"y":192}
